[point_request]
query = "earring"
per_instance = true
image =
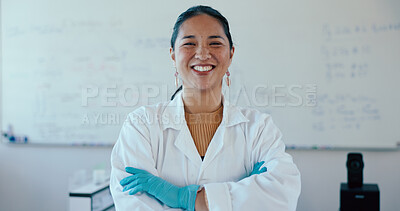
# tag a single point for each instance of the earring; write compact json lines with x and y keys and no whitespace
{"x":176,"y":79}
{"x":228,"y":81}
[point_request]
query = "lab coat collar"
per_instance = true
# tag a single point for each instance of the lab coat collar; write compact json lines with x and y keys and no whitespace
{"x":174,"y":114}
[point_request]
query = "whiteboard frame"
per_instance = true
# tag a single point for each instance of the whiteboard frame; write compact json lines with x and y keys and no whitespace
{"x":106,"y":144}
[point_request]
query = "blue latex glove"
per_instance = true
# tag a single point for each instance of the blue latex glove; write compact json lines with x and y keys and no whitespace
{"x":257,"y":170}
{"x":169,"y":194}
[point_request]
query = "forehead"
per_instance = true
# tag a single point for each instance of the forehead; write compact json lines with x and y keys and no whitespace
{"x":201,"y":25}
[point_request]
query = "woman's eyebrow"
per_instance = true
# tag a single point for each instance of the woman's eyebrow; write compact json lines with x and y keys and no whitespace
{"x":209,"y":37}
{"x":216,"y":36}
{"x":188,"y":37}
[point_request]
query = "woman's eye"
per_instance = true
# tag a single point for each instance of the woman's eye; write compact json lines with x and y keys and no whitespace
{"x":189,"y":43}
{"x":215,"y":43}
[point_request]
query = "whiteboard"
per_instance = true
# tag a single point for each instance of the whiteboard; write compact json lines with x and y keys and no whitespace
{"x":327,"y":71}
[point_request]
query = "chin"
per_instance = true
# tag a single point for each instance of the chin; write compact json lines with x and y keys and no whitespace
{"x":207,"y":87}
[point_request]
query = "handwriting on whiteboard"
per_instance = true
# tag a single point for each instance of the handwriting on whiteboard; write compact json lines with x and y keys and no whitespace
{"x":332,"y":32}
{"x":344,"y":112}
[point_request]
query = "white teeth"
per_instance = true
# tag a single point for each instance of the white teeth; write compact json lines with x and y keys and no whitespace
{"x":202,"y":68}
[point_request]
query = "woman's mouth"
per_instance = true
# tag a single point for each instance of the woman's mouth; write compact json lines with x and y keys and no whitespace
{"x":203,"y":69}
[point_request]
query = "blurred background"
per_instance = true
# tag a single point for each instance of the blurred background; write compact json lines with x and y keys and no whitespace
{"x":72,"y":70}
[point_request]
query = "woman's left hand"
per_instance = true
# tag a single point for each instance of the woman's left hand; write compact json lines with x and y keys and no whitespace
{"x":169,"y":194}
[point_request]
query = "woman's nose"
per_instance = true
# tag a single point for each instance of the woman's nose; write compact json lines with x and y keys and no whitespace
{"x":202,"y":53}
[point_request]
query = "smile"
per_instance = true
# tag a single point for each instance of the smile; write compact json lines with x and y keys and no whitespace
{"x":203,"y":68}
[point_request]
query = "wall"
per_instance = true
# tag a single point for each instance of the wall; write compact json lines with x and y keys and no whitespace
{"x":323,"y":171}
{"x":36,"y":178}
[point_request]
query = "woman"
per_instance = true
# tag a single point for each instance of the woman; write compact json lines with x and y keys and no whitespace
{"x":197,"y":151}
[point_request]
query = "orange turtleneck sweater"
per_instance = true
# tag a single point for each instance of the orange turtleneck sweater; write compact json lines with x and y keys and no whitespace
{"x":203,"y":126}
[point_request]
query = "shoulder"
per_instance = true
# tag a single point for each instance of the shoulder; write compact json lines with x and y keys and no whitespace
{"x":254,"y":116}
{"x":256,"y":122}
{"x":148,"y":113}
{"x":259,"y":130}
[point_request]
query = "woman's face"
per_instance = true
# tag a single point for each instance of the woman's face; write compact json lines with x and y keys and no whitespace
{"x":202,"y":53}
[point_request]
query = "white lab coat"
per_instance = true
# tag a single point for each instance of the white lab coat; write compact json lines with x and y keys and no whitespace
{"x":156,"y":138}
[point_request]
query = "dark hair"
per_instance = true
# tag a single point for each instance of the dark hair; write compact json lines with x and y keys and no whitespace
{"x":176,"y":92}
{"x":194,"y":11}
{"x":199,"y":10}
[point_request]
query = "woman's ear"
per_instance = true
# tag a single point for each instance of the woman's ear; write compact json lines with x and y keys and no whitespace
{"x":172,"y":53}
{"x":231,"y":55}
{"x":232,"y":52}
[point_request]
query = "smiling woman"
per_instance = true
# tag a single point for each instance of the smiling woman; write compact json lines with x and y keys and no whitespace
{"x":197,"y":151}
{"x":202,"y":55}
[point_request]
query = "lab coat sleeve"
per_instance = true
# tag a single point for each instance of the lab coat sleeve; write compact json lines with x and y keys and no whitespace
{"x":132,"y":148}
{"x":276,"y":189}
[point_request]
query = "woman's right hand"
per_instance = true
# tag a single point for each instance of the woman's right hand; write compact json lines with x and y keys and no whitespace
{"x":257,"y":170}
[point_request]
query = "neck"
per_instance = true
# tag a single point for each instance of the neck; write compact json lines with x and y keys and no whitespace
{"x":201,"y":101}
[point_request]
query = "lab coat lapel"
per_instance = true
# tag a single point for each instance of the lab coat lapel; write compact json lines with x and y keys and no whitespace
{"x":174,"y":117}
{"x":231,"y":116}
{"x":216,"y":144}
{"x":184,"y":142}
